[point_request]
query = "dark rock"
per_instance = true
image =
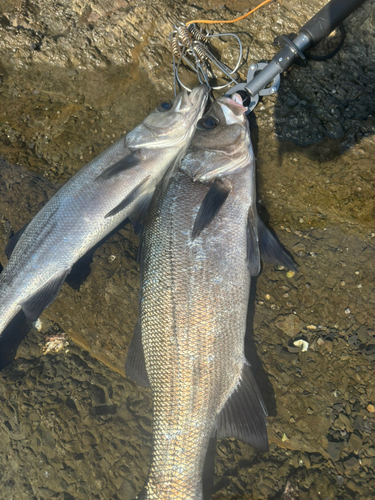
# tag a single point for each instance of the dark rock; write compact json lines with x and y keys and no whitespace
{"x":334,"y":450}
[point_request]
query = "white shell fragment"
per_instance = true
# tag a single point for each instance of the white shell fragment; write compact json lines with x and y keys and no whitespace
{"x":38,"y":325}
{"x":303,"y":344}
{"x":55,"y":343}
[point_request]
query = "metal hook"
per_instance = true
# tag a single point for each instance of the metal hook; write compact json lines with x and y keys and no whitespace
{"x":190,"y":45}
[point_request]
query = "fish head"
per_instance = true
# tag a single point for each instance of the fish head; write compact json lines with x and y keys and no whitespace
{"x":221,"y":144}
{"x":172,"y":123}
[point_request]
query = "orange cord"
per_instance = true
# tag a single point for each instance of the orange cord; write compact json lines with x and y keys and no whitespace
{"x":202,"y":21}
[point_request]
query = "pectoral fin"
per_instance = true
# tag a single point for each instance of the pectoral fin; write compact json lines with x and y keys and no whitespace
{"x":129,"y":161}
{"x":14,"y":240}
{"x":135,"y":367}
{"x":144,"y":193}
{"x":244,"y":414}
{"x":211,"y":204}
{"x":35,"y":305}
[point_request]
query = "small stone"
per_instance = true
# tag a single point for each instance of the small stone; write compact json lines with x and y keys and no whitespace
{"x":310,"y":411}
{"x":351,"y":464}
{"x":289,"y":324}
{"x":290,"y":274}
{"x":355,"y":443}
{"x":347,"y":310}
{"x":358,"y":423}
{"x":370,"y":452}
{"x":370,"y":408}
{"x":362,"y":333}
{"x":346,"y":421}
{"x":334,"y":450}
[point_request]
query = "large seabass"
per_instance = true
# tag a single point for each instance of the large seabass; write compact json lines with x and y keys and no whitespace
{"x":200,"y":247}
{"x":119,"y":183}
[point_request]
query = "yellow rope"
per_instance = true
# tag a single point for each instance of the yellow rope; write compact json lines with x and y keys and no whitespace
{"x":203,"y":21}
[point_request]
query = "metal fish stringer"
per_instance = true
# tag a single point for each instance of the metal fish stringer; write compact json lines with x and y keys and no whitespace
{"x":191,"y":46}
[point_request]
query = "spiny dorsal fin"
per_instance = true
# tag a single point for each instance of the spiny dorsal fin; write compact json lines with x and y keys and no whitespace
{"x":253,"y":254}
{"x":35,"y":305}
{"x":14,"y":240}
{"x":137,"y":191}
{"x":129,"y":161}
{"x":211,"y":204}
{"x":244,"y":414}
{"x":271,"y":249}
{"x":135,"y":366}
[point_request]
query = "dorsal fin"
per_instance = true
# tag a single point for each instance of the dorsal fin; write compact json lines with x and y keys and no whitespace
{"x":211,"y":204}
{"x":244,"y":414}
{"x":14,"y":240}
{"x":135,"y":366}
{"x":129,"y":161}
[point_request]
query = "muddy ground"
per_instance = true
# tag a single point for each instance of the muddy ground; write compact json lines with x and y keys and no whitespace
{"x":74,"y":77}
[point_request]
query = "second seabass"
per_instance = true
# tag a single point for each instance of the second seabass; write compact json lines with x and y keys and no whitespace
{"x":119,"y":183}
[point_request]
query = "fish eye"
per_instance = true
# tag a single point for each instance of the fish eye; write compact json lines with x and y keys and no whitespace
{"x":165,"y":106}
{"x":207,"y":123}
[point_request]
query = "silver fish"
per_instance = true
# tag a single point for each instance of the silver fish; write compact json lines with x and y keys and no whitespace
{"x":117,"y":184}
{"x":200,"y":247}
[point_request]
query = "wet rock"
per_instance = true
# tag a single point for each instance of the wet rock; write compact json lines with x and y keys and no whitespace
{"x":355,"y":443}
{"x":289,"y":324}
{"x":351,"y":464}
{"x":335,"y":450}
{"x":346,"y":422}
{"x":358,"y":423}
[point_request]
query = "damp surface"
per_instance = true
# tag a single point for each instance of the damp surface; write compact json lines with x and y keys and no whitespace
{"x":76,"y":76}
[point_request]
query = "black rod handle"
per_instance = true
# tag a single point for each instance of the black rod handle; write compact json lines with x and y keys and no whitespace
{"x":328,"y":19}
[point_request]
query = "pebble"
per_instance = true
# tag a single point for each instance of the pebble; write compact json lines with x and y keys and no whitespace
{"x":346,"y":421}
{"x":370,"y":408}
{"x":351,"y":464}
{"x":290,"y":274}
{"x":334,"y":450}
{"x":355,"y":443}
{"x":289,"y":324}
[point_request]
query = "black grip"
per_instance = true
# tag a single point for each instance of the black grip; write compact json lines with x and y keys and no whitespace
{"x":328,"y":19}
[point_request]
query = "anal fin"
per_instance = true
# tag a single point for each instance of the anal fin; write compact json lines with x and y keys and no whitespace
{"x":14,"y":240}
{"x":244,"y":414}
{"x":135,"y":366}
{"x":35,"y":305}
{"x":211,"y":204}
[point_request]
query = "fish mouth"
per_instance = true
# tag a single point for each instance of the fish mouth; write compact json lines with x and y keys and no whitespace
{"x":188,"y":108}
{"x":194,"y":99}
